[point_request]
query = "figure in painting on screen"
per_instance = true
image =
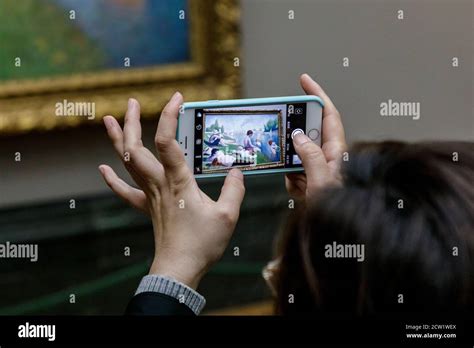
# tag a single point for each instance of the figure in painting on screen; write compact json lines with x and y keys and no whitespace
{"x":273,"y":148}
{"x":248,"y":144}
{"x":215,"y":139}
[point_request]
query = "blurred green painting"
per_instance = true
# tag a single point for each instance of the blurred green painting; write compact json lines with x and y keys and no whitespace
{"x":44,"y":38}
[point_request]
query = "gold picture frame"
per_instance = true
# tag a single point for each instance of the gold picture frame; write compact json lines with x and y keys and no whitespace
{"x":212,"y":73}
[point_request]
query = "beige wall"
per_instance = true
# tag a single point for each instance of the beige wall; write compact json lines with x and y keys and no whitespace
{"x":403,"y":60}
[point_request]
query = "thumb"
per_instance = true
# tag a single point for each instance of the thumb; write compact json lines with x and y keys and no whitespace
{"x":232,"y":193}
{"x":314,"y":161}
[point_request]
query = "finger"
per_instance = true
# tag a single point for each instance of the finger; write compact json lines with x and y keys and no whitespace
{"x":295,"y":184}
{"x":232,"y":193}
{"x":115,"y":134}
{"x":313,"y":159}
{"x":132,"y":129}
{"x":333,"y":130}
{"x":312,"y":87}
{"x":135,"y":197}
{"x":142,"y":164}
{"x":165,"y":139}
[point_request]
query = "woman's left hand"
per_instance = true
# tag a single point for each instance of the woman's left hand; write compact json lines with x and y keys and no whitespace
{"x":191,"y":230}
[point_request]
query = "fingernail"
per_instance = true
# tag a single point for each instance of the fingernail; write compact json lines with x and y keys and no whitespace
{"x":300,"y":139}
{"x":175,"y":95}
{"x":131,"y":103}
{"x":108,"y":123}
{"x":102,"y":169}
{"x":236,"y":173}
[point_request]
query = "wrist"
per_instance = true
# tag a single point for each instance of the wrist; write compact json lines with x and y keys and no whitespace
{"x":187,"y":274}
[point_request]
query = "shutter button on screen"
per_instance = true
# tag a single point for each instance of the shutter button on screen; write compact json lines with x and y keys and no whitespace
{"x":296,"y":131}
{"x":313,"y":134}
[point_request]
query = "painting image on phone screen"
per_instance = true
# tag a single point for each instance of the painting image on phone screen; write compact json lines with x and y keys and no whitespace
{"x":247,"y":139}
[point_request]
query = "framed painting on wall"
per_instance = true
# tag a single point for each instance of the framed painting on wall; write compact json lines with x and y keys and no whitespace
{"x":103,"y":52}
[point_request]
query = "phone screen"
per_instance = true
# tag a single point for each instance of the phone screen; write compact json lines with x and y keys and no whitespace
{"x":248,"y":137}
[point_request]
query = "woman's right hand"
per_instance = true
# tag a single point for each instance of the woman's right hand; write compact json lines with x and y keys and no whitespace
{"x":321,"y":164}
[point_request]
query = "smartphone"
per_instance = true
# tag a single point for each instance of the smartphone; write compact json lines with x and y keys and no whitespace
{"x":254,"y":135}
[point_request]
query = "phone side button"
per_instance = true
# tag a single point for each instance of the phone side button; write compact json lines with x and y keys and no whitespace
{"x":313,"y":134}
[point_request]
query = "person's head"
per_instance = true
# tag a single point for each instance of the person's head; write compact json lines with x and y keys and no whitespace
{"x":249,"y":132}
{"x":398,"y":235}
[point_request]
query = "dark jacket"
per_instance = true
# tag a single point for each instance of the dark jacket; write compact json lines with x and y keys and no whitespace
{"x":154,"y":303}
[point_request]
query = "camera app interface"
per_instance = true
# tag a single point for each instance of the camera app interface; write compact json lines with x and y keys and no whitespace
{"x":249,"y":138}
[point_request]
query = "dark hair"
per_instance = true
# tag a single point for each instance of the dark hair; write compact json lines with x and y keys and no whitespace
{"x":412,"y":208}
{"x":249,"y":132}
